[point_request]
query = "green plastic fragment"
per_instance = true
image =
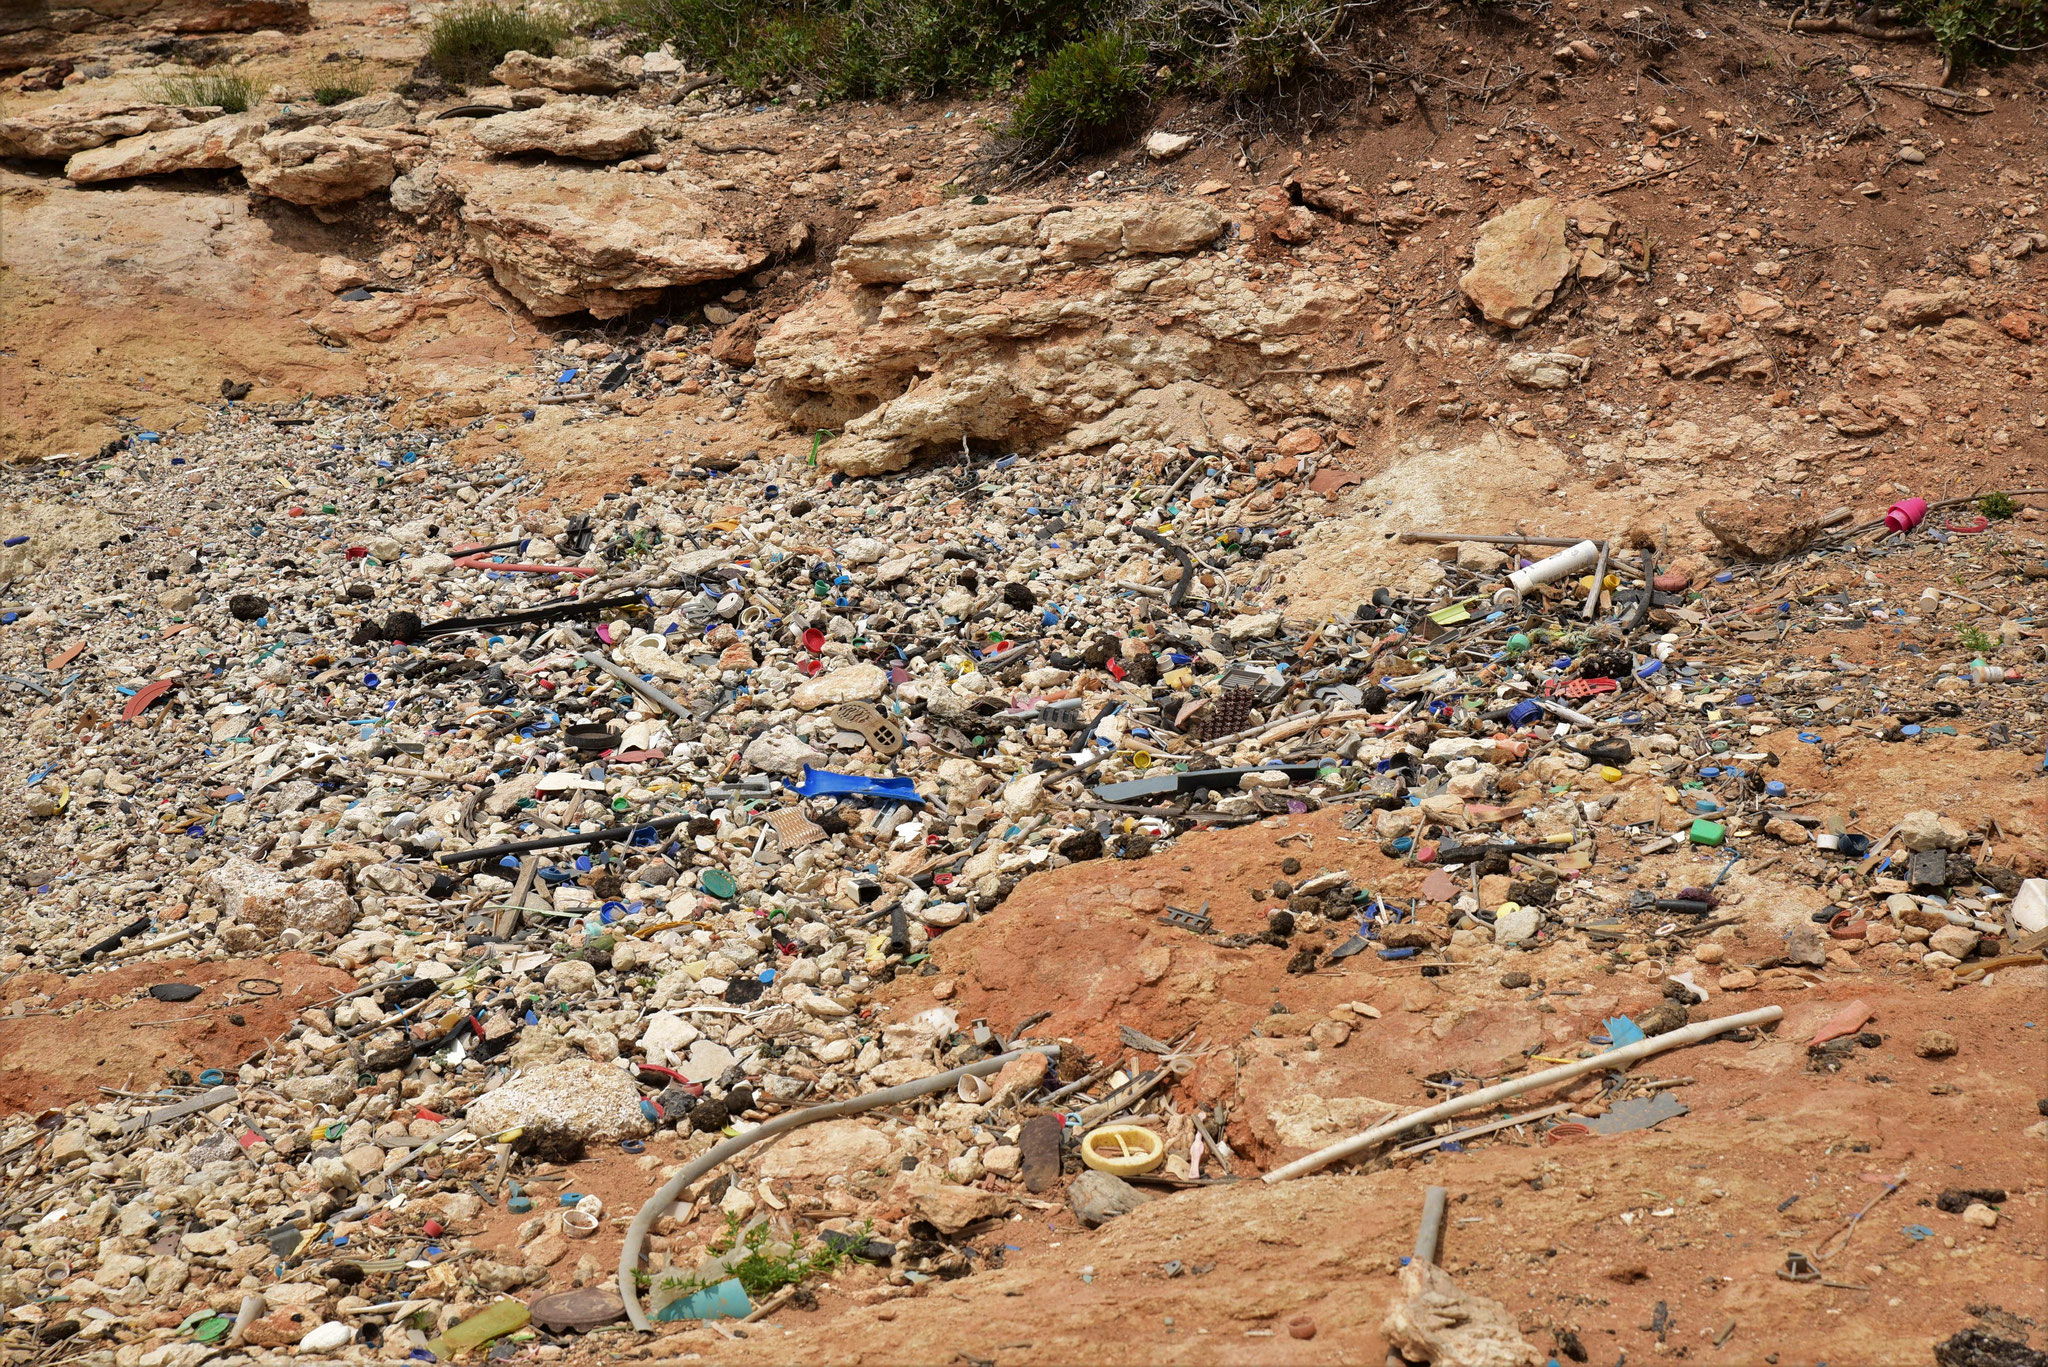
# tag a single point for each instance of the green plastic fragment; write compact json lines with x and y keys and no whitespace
{"x":493,"y":1321}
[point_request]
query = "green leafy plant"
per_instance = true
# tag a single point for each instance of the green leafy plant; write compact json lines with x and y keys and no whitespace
{"x":1976,"y":640}
{"x":1980,"y":32}
{"x":1998,"y":506}
{"x":1084,"y":97}
{"x":468,"y":41}
{"x":226,"y":89}
{"x":862,"y":48}
{"x":766,"y":1269}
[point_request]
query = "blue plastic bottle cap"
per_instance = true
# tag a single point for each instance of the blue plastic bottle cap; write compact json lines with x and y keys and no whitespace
{"x":1774,"y":789}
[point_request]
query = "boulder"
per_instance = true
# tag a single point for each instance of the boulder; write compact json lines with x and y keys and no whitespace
{"x":60,"y":131}
{"x":949,"y":1208}
{"x":1518,"y":262}
{"x":589,"y":74}
{"x":569,"y":128}
{"x":1910,"y":308}
{"x":1763,"y":528}
{"x":316,"y":167}
{"x":564,"y":240}
{"x":576,"y":1099}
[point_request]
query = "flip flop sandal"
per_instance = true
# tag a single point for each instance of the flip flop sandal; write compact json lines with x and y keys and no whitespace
{"x":882,"y":732}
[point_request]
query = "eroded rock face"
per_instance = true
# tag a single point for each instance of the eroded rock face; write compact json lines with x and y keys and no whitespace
{"x":322,"y":166}
{"x":569,"y":128}
{"x":32,"y":33}
{"x":62,"y":130}
{"x":210,"y":146}
{"x":1518,"y":262}
{"x":565,"y":240}
{"x":1066,"y":325}
{"x":590,"y":74}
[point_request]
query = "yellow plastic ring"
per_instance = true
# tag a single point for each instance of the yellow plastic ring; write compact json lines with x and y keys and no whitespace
{"x":1123,"y":1150}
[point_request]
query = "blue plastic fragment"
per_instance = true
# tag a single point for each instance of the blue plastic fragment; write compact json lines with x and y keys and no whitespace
{"x":1622,"y":1031}
{"x":825,"y":783}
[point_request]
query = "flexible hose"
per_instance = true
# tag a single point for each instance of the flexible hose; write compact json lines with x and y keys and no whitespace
{"x":636,"y":1233}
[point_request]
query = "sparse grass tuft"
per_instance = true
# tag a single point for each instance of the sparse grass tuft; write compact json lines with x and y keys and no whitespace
{"x":340,"y":92}
{"x":1998,"y":506}
{"x":468,"y":41}
{"x":230,"y":91}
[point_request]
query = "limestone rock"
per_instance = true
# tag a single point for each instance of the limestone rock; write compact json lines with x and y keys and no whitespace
{"x":1161,"y":145}
{"x":63,"y":130}
{"x":1437,"y":1321}
{"x":1063,"y":325}
{"x":849,"y":683}
{"x":1763,"y":528}
{"x":564,"y":240}
{"x":575,"y":1099}
{"x":589,"y":74}
{"x":32,"y":33}
{"x":949,"y":1208}
{"x":838,"y":1148}
{"x":572,"y":978}
{"x":779,"y":752}
{"x":208,"y":146}
{"x":569,"y":128}
{"x":1096,"y":1197}
{"x":316,"y":167}
{"x":1924,"y":830}
{"x":1518,"y":262}
{"x":1959,"y":941}
{"x":1547,"y":369}
{"x":1517,"y":927}
{"x":1936,"y":1044}
{"x":1910,"y":308}
{"x":385,"y":109}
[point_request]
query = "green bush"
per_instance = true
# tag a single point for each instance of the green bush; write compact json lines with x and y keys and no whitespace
{"x":864,"y":48}
{"x":1084,"y":97}
{"x":231,"y":92}
{"x":468,"y":41}
{"x":1980,"y":32}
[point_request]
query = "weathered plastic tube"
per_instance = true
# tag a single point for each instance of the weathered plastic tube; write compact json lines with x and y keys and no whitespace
{"x":636,"y":1233}
{"x":1486,"y":1096}
{"x":1550,"y":569}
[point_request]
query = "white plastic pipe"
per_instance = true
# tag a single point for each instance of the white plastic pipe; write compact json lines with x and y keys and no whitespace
{"x":1486,"y":1096}
{"x":1550,"y":569}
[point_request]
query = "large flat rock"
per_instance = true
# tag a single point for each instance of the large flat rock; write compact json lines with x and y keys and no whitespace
{"x":564,"y":240}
